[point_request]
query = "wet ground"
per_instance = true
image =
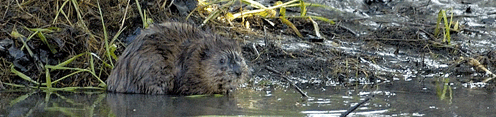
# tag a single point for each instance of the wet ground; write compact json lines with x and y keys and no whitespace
{"x":380,"y":47}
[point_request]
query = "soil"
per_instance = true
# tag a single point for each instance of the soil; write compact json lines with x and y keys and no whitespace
{"x":310,"y":61}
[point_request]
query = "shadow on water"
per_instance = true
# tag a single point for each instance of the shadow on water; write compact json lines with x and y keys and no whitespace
{"x":162,"y":105}
{"x":111,"y":104}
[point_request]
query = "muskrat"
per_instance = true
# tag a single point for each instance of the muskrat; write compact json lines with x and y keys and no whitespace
{"x":178,"y":59}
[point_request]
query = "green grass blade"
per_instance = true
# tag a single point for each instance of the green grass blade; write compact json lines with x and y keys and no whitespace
{"x":212,"y":15}
{"x":58,"y":11}
{"x":79,"y":88}
{"x":54,"y":29}
{"x":92,"y":64}
{"x":72,"y":89}
{"x":78,"y":13}
{"x":105,"y":36}
{"x":323,"y":19}
{"x":282,"y":10}
{"x":288,"y":23}
{"x":24,"y":44}
{"x":81,"y":22}
{"x":44,"y":40}
{"x":303,"y":8}
{"x":14,"y":85}
{"x":23,"y":76}
{"x":218,"y":95}
{"x":47,"y":30}
{"x":196,"y":96}
{"x":315,"y":17}
{"x":439,"y":18}
{"x":446,"y":26}
{"x":449,"y":27}
{"x":241,"y":14}
{"x":27,"y":39}
{"x":59,"y":67}
{"x":112,"y":53}
{"x":113,"y":47}
{"x":66,"y":76}
{"x":141,"y":14}
{"x":117,"y":35}
{"x":64,"y":68}
{"x":48,"y":79}
{"x":66,"y":62}
{"x":15,"y":34}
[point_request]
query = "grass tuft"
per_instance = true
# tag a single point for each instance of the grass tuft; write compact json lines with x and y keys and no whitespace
{"x":442,"y":16}
{"x":40,"y":33}
{"x":146,"y":21}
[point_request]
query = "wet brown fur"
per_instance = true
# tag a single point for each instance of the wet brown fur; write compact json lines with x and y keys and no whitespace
{"x":177,"y":58}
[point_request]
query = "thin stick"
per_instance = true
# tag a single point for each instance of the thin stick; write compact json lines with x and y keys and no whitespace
{"x":356,"y":106}
{"x":349,"y":30}
{"x":124,"y":17}
{"x":287,"y":79}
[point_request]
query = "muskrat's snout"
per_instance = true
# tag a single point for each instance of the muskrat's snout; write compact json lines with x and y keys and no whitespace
{"x":236,"y":66}
{"x":237,"y":69}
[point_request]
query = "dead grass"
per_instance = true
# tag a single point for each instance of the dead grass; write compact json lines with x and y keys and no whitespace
{"x":57,"y":30}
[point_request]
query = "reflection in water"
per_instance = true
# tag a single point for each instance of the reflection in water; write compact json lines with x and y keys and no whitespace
{"x":111,"y":104}
{"x":401,"y":99}
{"x":52,"y":104}
{"x":123,"y":105}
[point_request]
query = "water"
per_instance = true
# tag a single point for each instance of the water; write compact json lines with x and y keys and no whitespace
{"x":399,"y":99}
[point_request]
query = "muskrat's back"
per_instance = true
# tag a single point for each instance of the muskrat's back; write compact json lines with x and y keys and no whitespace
{"x":177,"y":58}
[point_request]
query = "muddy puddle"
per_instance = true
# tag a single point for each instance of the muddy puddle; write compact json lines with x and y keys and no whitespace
{"x":382,"y":50}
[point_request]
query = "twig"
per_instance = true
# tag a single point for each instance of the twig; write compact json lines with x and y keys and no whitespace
{"x":353,"y":108}
{"x":382,"y":78}
{"x":425,"y":32}
{"x":8,"y":6}
{"x":349,"y":30}
{"x":124,"y":17}
{"x":476,"y":64}
{"x":287,"y":79}
{"x":255,"y":48}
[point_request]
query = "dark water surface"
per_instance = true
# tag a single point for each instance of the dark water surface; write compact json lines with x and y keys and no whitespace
{"x":403,"y":99}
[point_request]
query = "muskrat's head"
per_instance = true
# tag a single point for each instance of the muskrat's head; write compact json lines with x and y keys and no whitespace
{"x":224,"y":65}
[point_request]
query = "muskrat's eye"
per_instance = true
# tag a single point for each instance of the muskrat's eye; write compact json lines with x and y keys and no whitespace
{"x":222,"y":61}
